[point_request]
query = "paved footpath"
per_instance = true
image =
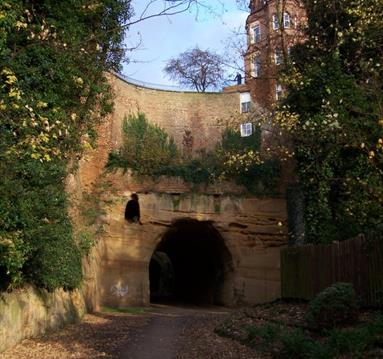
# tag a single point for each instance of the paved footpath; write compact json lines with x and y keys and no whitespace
{"x":163,"y":332}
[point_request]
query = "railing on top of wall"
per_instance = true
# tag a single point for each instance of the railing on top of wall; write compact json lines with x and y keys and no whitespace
{"x":307,"y":270}
{"x":151,"y":85}
{"x":154,"y":86}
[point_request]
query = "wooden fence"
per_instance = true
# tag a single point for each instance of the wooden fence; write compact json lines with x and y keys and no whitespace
{"x":306,"y":270}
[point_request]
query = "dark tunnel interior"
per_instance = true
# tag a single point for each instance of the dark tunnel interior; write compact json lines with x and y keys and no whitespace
{"x":189,"y":265}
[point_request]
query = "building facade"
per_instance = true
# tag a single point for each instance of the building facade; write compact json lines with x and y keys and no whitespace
{"x":272,"y":27}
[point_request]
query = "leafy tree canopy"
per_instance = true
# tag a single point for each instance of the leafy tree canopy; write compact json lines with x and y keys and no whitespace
{"x":149,"y":151}
{"x":53,"y":90}
{"x":334,"y":112}
{"x":52,"y":65}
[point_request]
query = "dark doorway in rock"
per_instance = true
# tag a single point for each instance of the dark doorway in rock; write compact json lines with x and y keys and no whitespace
{"x":191,"y":265}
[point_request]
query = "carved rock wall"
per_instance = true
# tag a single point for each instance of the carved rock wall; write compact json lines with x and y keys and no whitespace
{"x":253,"y":229}
{"x":28,"y":312}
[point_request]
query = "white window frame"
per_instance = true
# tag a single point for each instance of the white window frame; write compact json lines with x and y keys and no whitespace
{"x":278,"y":92}
{"x":286,"y":20}
{"x":245,"y":102}
{"x":257,"y":67}
{"x":278,"y":56}
{"x":257,"y":36}
{"x":275,"y":22}
{"x":245,"y":107}
{"x":246,"y":129}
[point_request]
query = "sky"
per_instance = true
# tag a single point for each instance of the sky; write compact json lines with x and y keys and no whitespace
{"x":163,"y":38}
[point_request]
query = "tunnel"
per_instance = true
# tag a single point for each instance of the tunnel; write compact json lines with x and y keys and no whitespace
{"x":191,"y":265}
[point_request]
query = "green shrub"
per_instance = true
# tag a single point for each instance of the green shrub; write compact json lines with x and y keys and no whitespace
{"x":34,"y":206}
{"x":85,"y":242}
{"x":146,"y":149}
{"x":334,"y":306}
{"x":263,"y":337}
{"x":56,"y":259}
{"x":13,"y":255}
{"x":376,"y":326}
{"x":355,"y":342}
{"x":232,"y":140}
{"x":296,"y":344}
{"x":149,"y":151}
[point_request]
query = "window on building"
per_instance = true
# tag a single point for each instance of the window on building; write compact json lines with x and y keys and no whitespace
{"x":275,"y":22}
{"x":257,"y":67}
{"x":257,"y":33}
{"x":246,"y":129}
{"x":278,"y":56}
{"x":245,"y":101}
{"x":245,"y":107}
{"x":286,"y":20}
{"x":278,"y":92}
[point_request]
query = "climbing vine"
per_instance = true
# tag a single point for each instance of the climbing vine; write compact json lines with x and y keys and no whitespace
{"x":53,"y":92}
{"x":333,"y":112}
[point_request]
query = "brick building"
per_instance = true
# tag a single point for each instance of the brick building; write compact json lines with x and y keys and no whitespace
{"x":273,"y":27}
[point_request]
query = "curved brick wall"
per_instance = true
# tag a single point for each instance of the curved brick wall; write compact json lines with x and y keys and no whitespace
{"x":176,"y":112}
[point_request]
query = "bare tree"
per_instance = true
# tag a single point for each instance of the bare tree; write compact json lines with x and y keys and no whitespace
{"x":196,"y":68}
{"x":235,"y":49}
{"x":243,"y":4}
{"x":156,"y":8}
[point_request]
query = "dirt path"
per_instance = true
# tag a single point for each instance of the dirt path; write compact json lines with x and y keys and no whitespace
{"x":160,"y":337}
{"x":164,"y":332}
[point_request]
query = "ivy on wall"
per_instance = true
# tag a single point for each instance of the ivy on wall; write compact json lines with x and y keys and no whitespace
{"x":333,"y":111}
{"x":149,"y":151}
{"x":53,"y":92}
{"x":36,"y":241}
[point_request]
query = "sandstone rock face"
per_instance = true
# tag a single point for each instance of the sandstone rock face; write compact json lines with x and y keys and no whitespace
{"x":26,"y":313}
{"x":251,"y":230}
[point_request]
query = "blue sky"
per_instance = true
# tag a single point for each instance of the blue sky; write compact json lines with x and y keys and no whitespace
{"x":166,"y":37}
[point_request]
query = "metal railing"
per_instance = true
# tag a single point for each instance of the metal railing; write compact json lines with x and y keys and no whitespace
{"x":155,"y":86}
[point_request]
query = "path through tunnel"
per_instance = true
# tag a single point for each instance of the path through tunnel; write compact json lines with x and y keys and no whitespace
{"x":191,"y":265}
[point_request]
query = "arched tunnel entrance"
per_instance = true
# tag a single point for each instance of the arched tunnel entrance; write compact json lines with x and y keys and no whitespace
{"x":191,"y":264}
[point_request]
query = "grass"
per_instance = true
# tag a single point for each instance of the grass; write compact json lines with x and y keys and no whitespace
{"x":130,"y":310}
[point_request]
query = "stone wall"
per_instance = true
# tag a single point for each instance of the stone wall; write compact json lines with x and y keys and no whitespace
{"x":28,"y":312}
{"x":116,"y":271}
{"x":250,"y":227}
{"x":200,"y":113}
{"x":253,"y":229}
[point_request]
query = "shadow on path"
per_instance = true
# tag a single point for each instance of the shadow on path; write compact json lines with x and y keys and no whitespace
{"x":160,"y":332}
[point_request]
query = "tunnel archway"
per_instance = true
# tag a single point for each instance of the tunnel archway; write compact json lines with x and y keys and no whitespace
{"x":191,"y":264}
